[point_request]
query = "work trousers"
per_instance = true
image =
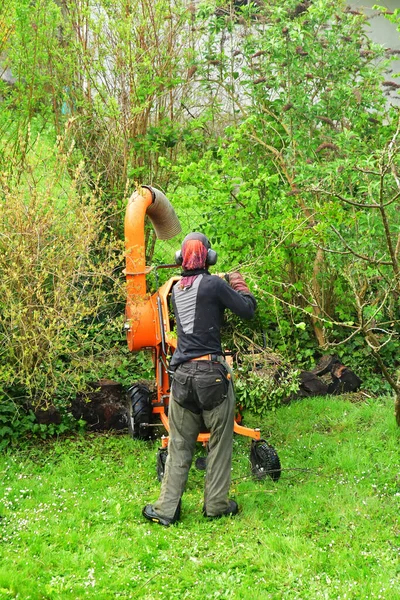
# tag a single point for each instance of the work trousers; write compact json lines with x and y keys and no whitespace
{"x":193,"y":387}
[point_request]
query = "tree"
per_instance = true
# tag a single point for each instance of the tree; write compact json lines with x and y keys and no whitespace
{"x":303,"y":110}
{"x":266,"y":121}
{"x":366,"y":244}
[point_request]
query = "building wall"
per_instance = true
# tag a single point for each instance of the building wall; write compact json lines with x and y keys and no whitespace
{"x":383,"y":32}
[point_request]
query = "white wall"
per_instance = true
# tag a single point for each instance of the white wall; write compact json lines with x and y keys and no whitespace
{"x":383,"y":32}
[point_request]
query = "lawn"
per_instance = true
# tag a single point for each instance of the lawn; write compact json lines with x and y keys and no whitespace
{"x":71,"y":524}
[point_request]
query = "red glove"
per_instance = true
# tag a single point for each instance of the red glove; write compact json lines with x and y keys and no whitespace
{"x":237,"y":282}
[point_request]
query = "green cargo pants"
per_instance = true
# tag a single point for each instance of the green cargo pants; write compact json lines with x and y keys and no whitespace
{"x":195,"y":399}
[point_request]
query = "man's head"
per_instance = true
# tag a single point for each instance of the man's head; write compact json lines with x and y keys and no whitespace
{"x":195,"y":252}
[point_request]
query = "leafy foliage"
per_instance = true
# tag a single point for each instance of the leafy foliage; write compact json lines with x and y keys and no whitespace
{"x":295,"y":162}
{"x":267,"y":126}
{"x":54,"y":267}
{"x":260,"y":392}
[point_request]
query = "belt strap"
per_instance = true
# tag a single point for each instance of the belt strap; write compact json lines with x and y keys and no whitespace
{"x":212,"y":357}
{"x":205,"y":357}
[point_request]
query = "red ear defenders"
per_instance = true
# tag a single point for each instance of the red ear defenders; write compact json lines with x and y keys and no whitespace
{"x":212,"y":256}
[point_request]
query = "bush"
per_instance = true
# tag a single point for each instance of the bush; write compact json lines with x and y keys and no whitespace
{"x":58,"y":276}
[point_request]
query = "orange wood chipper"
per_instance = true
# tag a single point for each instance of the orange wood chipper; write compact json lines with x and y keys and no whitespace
{"x":149,"y":325}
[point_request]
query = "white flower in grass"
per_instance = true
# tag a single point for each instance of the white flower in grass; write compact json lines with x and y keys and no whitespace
{"x":91,"y":582}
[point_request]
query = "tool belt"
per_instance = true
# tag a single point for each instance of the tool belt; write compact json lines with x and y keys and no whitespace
{"x":201,"y":386}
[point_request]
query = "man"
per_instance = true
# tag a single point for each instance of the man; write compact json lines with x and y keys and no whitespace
{"x":202,"y":389}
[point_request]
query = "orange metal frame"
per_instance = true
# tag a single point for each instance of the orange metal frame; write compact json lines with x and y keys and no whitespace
{"x":148,"y":324}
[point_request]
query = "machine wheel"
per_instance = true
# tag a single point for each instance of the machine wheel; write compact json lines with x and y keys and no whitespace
{"x":201,"y":463}
{"x":161,"y":460}
{"x":140,"y":411}
{"x":264,"y":460}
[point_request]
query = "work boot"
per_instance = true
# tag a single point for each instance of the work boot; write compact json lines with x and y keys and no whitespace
{"x":149,"y":513}
{"x":232,"y":510}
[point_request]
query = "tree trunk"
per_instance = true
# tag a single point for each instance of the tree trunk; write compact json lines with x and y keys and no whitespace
{"x":397,"y":408}
{"x":318,"y":299}
{"x":391,"y":380}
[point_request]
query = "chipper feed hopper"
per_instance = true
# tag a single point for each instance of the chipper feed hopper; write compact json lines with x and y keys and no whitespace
{"x":149,"y":325}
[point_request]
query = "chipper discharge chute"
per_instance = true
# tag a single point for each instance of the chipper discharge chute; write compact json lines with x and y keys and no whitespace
{"x":149,"y":325}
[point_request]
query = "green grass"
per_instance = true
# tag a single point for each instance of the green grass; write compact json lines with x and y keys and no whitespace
{"x":71,"y":524}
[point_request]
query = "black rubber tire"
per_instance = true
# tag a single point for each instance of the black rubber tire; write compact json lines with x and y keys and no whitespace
{"x":201,"y":463}
{"x":140,"y":411}
{"x":264,"y":460}
{"x":161,"y":460}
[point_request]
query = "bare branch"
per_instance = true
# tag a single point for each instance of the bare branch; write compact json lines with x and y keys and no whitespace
{"x":320,"y":318}
{"x":335,"y":344}
{"x":351,"y":202}
{"x":395,"y":176}
{"x":385,"y":204}
{"x":397,"y":250}
{"x":367,"y":171}
{"x":332,"y":251}
{"x":377,"y":311}
{"x":343,"y":199}
{"x":369,"y":259}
